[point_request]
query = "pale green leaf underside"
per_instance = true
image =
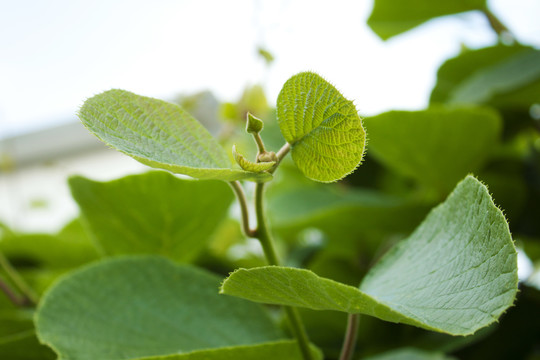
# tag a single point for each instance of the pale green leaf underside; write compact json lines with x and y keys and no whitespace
{"x":152,"y":213}
{"x":143,"y":306}
{"x":437,"y":146}
{"x":282,"y":350}
{"x":390,"y":18}
{"x":323,"y":128}
{"x":159,"y":134}
{"x":455,"y":274}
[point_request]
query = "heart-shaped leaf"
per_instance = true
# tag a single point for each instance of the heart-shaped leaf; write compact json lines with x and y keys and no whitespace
{"x":152,"y":213}
{"x":322,"y":127}
{"x":142,"y":306}
{"x":455,"y":274}
{"x":159,"y":134}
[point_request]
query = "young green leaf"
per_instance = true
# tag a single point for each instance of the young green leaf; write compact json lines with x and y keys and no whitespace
{"x":143,"y":306}
{"x":282,"y":350}
{"x":455,"y":274}
{"x":152,"y":213}
{"x":254,"y":124}
{"x":437,"y":146}
{"x":390,"y":18}
{"x":251,"y":166}
{"x":159,"y":134}
{"x":322,"y":127}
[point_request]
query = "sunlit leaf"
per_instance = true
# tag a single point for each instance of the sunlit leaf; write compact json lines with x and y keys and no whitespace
{"x":322,"y":127}
{"x":159,"y":134}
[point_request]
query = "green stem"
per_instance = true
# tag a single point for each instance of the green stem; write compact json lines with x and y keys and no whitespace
{"x":497,"y":26}
{"x":267,"y":244}
{"x":280,"y":155}
{"x":349,"y":342}
{"x":11,"y":295}
{"x":18,"y":280}
{"x":241,"y":196}
{"x":259,"y":142}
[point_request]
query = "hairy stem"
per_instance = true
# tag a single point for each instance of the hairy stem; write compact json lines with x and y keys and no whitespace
{"x":281,"y":154}
{"x":347,"y":350}
{"x":18,"y":280}
{"x":241,"y":196}
{"x":259,"y":142}
{"x":267,"y":244}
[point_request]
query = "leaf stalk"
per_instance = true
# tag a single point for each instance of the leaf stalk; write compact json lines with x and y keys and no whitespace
{"x":30,"y":297}
{"x":349,"y":342}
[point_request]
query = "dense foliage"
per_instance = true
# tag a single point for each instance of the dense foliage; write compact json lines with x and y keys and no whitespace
{"x":402,"y":235}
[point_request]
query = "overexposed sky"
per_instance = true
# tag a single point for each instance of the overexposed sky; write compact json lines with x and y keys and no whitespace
{"x":56,"y":53}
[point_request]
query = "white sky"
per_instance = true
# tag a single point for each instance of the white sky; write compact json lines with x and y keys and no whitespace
{"x":56,"y":53}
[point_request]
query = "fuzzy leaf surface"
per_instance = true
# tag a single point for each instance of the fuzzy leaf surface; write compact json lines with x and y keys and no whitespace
{"x":390,"y":18}
{"x":152,"y":213}
{"x":159,"y":134}
{"x":455,"y":274}
{"x":322,"y":127}
{"x":437,"y":146}
{"x":142,"y":306}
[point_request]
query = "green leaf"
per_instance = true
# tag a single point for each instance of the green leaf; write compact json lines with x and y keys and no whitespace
{"x":17,"y":337}
{"x":322,"y":127}
{"x":152,"y":213}
{"x":254,"y":124}
{"x":69,"y":248}
{"x":159,"y":134}
{"x":438,"y":146}
{"x":410,"y":354}
{"x":251,"y":166}
{"x":343,"y":213}
{"x":455,"y":274}
{"x":501,"y":76}
{"x":143,"y":306}
{"x":282,"y":350}
{"x":390,"y":18}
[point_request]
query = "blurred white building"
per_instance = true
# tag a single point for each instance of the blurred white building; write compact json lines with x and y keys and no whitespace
{"x":34,"y":168}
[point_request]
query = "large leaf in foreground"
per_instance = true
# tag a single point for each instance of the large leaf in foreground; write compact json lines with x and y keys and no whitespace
{"x":152,"y":213}
{"x":322,"y":127}
{"x":455,"y":274}
{"x":437,"y":146}
{"x":136,"y":307}
{"x":282,"y":350}
{"x":390,"y":18}
{"x":159,"y":134}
